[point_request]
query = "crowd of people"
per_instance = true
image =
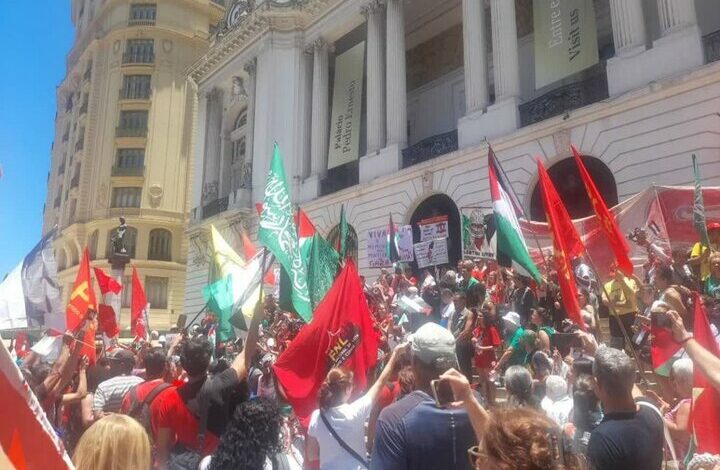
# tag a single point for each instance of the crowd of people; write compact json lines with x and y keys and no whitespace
{"x":478,"y":367}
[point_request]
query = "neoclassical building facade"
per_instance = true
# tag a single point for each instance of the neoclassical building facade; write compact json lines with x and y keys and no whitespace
{"x":123,"y":142}
{"x":441,"y":79}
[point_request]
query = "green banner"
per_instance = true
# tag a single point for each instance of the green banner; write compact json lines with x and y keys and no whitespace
{"x":565,"y":39}
{"x":346,"y":107}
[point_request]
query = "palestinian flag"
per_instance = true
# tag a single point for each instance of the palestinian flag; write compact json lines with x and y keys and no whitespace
{"x":509,"y":238}
{"x":391,"y":245}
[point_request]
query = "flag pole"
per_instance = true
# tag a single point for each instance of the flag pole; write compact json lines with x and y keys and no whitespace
{"x":626,"y":336}
{"x":195,"y":317}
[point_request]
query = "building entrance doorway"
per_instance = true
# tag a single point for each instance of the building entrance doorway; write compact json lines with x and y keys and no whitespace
{"x":437,"y":206}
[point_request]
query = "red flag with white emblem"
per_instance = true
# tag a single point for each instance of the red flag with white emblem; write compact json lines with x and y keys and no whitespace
{"x":82,"y":299}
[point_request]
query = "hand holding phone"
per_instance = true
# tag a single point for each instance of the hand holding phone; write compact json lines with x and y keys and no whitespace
{"x":442,"y":391}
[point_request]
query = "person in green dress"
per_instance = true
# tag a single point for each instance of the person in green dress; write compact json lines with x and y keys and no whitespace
{"x":541,"y":323}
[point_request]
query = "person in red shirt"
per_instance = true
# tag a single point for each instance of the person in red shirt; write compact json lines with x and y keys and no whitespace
{"x":176,"y":414}
{"x":146,"y":393}
{"x":486,"y":340}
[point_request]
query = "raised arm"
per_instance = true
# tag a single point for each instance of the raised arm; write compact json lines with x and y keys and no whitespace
{"x":464,"y":397}
{"x":386,"y":372}
{"x":706,"y":361}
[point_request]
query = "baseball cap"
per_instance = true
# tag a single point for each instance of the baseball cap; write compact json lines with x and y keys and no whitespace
{"x":713,"y":226}
{"x":512,"y":319}
{"x":431,"y":342}
{"x":122,"y":355}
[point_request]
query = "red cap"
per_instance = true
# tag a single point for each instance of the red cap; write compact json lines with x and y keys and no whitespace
{"x":713,"y":226}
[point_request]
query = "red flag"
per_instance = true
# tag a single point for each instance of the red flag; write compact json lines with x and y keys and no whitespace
{"x":306,"y":229}
{"x":106,"y":283}
{"x":22,"y":344}
{"x":82,"y":297}
{"x":249,"y":249}
{"x":107,"y":322}
{"x":139,"y":308}
{"x":566,"y":244}
{"x":607,"y":220}
{"x":341,"y":334}
{"x":27,"y":440}
{"x":706,"y":399}
{"x":259,"y":208}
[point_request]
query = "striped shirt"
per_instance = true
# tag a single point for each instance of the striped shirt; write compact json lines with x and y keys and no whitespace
{"x":109,"y":394}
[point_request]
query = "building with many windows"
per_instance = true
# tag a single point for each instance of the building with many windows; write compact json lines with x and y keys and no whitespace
{"x":123,"y":147}
{"x":385,"y":106}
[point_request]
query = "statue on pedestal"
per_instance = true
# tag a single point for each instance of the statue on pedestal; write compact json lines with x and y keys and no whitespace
{"x":118,"y":238}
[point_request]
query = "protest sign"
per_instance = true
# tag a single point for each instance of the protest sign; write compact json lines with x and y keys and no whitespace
{"x":431,"y":253}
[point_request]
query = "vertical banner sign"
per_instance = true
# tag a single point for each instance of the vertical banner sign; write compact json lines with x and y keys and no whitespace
{"x":346,"y":107}
{"x":376,"y":253}
{"x":565,"y":39}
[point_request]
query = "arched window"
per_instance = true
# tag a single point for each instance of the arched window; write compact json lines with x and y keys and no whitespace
{"x":352,"y":241}
{"x":240,"y":161}
{"x":92,"y":244}
{"x":160,"y":246}
{"x":130,"y":242}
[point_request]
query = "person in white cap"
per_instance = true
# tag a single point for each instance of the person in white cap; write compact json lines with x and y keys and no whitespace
{"x":515,"y":353}
{"x":414,"y":432}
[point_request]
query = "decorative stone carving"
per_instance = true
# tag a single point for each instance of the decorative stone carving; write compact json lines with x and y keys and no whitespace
{"x":201,"y":249}
{"x":167,"y":46}
{"x":427,"y":182}
{"x":101,"y":198}
{"x":238,"y":89}
{"x":155,"y":192}
{"x":210,"y":192}
{"x":561,"y":139}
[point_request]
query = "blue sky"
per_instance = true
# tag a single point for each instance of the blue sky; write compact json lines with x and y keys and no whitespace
{"x":37,"y":37}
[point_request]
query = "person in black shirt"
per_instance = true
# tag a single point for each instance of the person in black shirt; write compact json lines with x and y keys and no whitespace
{"x":523,"y":298}
{"x":630,"y":435}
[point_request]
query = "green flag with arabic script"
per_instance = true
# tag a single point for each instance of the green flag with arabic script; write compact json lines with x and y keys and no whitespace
{"x":278,"y":233}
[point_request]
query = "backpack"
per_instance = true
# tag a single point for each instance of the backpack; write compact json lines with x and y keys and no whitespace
{"x":140,"y":410}
{"x":187,"y":458}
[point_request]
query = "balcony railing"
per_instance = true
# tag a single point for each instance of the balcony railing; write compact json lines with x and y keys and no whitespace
{"x":79,"y":145}
{"x":563,"y":99}
{"x":141,"y":22}
{"x":131,"y":132}
{"x":138,"y":58}
{"x":134,"y":95}
{"x":711,"y":42}
{"x":340,"y":178}
{"x":75,"y":181}
{"x":215,"y":207}
{"x":430,"y":148}
{"x":128,"y":171}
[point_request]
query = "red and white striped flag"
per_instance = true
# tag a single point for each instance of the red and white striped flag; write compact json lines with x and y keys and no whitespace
{"x":27,"y":439}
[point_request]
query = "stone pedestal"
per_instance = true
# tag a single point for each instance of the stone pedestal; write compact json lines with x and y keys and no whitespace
{"x":384,"y":162}
{"x":500,"y":119}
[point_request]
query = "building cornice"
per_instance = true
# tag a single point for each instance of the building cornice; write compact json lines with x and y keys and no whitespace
{"x":270,"y":15}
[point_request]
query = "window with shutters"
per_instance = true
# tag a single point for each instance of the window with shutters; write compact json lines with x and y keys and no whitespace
{"x":160,"y":245}
{"x":135,"y":87}
{"x":126,"y":197}
{"x":156,"y":290}
{"x":133,"y":119}
{"x":143,"y":14}
{"x":241,"y":165}
{"x":131,"y":158}
{"x":139,"y":51}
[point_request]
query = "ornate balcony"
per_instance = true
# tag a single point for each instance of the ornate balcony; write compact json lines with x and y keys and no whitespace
{"x":128,"y":171}
{"x":430,"y":148}
{"x":141,"y":22}
{"x":711,"y":42}
{"x":138,"y":58}
{"x":215,"y":207}
{"x":563,"y":99}
{"x":131,"y":132}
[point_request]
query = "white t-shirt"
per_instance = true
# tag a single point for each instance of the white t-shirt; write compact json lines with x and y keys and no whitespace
{"x":348,"y":421}
{"x":559,"y":411}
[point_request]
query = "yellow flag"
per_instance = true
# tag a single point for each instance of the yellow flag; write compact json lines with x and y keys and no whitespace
{"x":225,"y":259}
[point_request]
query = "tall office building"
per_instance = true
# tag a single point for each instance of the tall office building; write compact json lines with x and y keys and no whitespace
{"x":123,"y":142}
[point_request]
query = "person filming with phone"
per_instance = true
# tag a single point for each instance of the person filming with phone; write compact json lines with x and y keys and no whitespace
{"x":422,"y":431}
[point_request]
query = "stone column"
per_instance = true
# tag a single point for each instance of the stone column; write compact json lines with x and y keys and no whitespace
{"x":375,"y":77}
{"x":676,"y":14}
{"x":505,"y":50}
{"x":211,"y":174}
{"x":628,"y":24}
{"x":251,"y":90}
{"x":320,"y":105}
{"x":474,"y":34}
{"x":396,"y":75}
